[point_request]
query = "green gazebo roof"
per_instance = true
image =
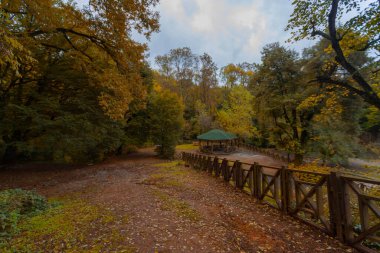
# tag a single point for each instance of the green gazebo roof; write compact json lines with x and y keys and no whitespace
{"x":216,"y":135}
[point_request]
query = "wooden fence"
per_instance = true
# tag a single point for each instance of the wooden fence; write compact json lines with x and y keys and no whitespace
{"x":337,"y":204}
{"x":272,"y":153}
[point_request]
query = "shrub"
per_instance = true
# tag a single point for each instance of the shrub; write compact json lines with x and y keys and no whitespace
{"x":14,"y":204}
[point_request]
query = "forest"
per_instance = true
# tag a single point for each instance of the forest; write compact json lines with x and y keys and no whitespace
{"x":76,"y":87}
{"x":99,"y":146}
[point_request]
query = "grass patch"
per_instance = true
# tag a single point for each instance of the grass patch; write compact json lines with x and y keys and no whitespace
{"x":171,"y":164}
{"x":173,"y":169}
{"x":187,"y":147}
{"x":168,"y":174}
{"x":180,"y":207}
{"x":73,"y":226}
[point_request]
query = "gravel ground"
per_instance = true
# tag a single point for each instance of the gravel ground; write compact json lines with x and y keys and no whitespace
{"x":172,"y":208}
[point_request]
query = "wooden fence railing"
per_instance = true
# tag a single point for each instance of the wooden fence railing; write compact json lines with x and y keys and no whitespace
{"x":272,"y":153}
{"x":334,"y":203}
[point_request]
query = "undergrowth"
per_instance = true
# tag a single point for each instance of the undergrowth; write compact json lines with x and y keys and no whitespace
{"x":16,"y":204}
{"x":70,"y":226}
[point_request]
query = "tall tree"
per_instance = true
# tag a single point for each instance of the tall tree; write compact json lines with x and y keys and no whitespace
{"x":181,"y":65}
{"x":166,"y":121}
{"x":236,"y":114}
{"x":71,"y":74}
{"x":279,"y":90}
{"x":237,"y":74}
{"x":349,"y":26}
{"x":207,"y":80}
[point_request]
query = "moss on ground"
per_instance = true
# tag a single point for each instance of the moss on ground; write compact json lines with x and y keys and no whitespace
{"x":72,"y":226}
{"x":168,"y":175}
{"x":180,"y":207}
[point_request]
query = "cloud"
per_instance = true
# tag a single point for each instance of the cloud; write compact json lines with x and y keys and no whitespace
{"x":231,"y":31}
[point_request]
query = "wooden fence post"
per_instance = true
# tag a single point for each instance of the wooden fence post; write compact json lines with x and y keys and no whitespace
{"x":345,"y":209}
{"x":236,"y":173}
{"x":334,"y":191}
{"x":209,"y":165}
{"x":215,"y":166}
{"x":204,"y":163}
{"x":225,"y":170}
{"x":284,"y":190}
{"x":251,"y":178}
{"x":259,"y":180}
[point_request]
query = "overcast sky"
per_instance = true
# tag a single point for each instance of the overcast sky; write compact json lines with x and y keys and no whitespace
{"x":231,"y":31}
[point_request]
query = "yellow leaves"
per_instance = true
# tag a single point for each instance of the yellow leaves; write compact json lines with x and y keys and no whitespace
{"x":156,"y":86}
{"x":101,"y":43}
{"x":373,"y":116}
{"x":236,"y":115}
{"x":351,"y":42}
{"x":236,"y":74}
{"x":331,"y":101}
{"x":115,"y":106}
{"x":333,"y":109}
{"x":121,"y":90}
{"x":311,"y":101}
{"x":13,"y":56}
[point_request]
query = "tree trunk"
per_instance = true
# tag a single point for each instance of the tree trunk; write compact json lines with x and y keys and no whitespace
{"x":298,"y":159}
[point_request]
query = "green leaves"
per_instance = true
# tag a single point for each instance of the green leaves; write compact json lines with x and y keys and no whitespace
{"x":166,"y":121}
{"x":15,"y":204}
{"x":70,"y":77}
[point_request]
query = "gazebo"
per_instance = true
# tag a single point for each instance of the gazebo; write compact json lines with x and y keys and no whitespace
{"x":217,"y":141}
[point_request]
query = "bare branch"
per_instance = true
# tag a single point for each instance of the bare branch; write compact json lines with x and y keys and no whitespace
{"x":54,"y":46}
{"x":320,"y":33}
{"x":72,"y":44}
{"x":369,"y":44}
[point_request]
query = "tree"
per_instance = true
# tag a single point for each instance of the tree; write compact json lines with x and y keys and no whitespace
{"x":207,"y":80}
{"x":165,"y":111}
{"x":302,"y":117}
{"x":359,"y":33}
{"x":194,"y":79}
{"x":181,"y":65}
{"x":335,"y":129}
{"x":278,"y":89}
{"x":70,"y":74}
{"x":203,"y":118}
{"x":237,"y":74}
{"x":237,"y":112}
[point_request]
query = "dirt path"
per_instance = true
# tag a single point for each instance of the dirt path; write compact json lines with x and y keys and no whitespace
{"x":170,"y":208}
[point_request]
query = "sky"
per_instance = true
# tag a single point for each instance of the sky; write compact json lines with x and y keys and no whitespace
{"x":231,"y":31}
